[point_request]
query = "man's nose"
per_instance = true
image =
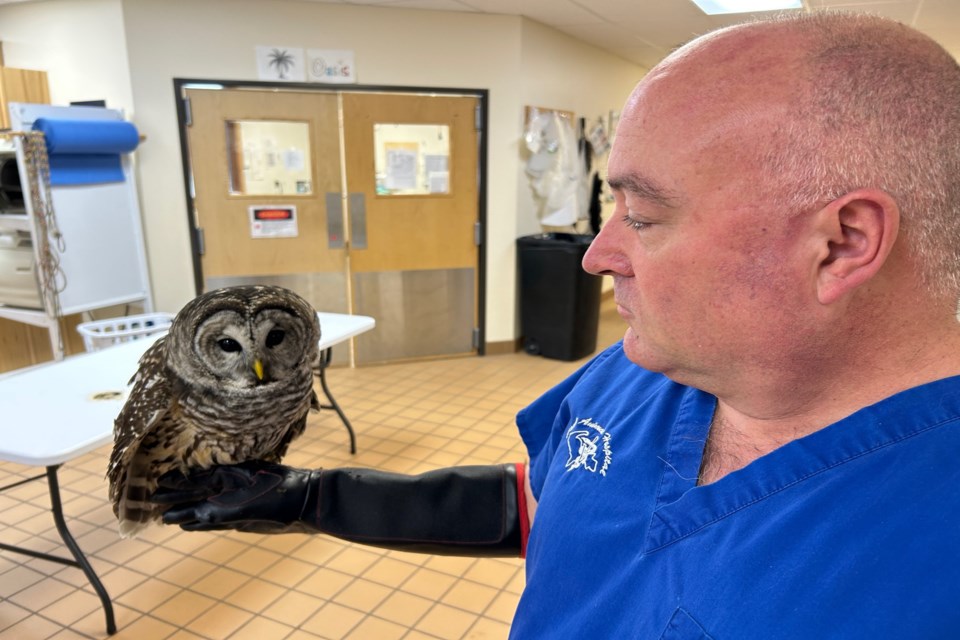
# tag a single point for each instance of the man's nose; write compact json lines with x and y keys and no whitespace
{"x":605,"y":257}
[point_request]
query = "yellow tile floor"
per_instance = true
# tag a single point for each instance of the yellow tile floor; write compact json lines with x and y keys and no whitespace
{"x":169,"y":584}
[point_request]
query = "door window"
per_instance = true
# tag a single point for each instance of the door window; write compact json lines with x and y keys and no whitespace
{"x":412,"y":159}
{"x":269,"y":157}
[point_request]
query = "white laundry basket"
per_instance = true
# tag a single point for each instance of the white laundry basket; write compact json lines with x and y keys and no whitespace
{"x":100,"y":334}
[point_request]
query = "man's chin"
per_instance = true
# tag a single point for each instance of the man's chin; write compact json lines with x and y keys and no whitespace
{"x":639,"y":352}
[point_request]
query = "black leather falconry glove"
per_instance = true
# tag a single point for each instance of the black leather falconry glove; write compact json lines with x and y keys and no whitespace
{"x":464,"y":511}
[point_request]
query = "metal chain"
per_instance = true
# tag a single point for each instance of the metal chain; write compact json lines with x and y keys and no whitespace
{"x":50,"y":243}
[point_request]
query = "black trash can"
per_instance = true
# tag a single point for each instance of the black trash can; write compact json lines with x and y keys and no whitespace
{"x":559,"y":301}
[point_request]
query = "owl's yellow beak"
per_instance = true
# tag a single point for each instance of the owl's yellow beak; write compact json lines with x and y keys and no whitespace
{"x":258,"y":368}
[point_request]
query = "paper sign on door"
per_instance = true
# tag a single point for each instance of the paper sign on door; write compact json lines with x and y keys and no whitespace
{"x":273,"y":221}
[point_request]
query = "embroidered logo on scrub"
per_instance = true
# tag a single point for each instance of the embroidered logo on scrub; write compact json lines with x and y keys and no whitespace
{"x":588,"y":443}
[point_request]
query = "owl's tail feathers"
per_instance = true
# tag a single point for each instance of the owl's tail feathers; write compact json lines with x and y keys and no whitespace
{"x":135,"y":511}
{"x":130,"y":529}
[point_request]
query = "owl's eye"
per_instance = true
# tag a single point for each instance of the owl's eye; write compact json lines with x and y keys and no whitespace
{"x":275,"y":337}
{"x":229,"y":345}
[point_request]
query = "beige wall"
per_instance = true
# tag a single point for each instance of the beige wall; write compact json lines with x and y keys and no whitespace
{"x":562,"y":73}
{"x":133,"y":65}
{"x":79,"y":43}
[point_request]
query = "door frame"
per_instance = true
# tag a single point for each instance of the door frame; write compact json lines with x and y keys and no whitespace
{"x":482,"y":95}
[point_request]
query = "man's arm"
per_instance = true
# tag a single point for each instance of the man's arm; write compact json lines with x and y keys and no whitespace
{"x":467,"y":510}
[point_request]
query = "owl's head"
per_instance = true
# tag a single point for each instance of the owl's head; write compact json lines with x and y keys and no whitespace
{"x":243,"y":337}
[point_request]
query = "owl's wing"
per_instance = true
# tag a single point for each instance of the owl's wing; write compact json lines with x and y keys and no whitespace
{"x":150,"y":399}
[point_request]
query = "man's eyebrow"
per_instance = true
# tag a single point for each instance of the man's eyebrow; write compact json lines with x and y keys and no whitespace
{"x":644,"y":188}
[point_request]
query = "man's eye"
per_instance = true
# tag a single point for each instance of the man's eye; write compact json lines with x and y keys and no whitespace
{"x":636,"y":225}
{"x":229,"y":345}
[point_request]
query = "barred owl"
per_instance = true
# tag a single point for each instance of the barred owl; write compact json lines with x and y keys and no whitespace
{"x":231,"y":381}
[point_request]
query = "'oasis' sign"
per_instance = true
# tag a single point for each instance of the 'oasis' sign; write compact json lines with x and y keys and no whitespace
{"x":330,"y":65}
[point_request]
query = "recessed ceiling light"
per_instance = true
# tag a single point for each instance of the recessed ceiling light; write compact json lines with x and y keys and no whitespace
{"x":716,"y":7}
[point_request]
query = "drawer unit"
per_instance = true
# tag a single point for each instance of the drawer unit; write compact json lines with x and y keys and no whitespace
{"x":19,"y":286}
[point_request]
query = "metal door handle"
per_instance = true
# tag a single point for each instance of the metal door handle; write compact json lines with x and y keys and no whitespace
{"x":358,"y":221}
{"x":334,"y":221}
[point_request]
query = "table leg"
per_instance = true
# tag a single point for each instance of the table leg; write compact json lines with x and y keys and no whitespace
{"x":325,"y":356}
{"x":82,"y":562}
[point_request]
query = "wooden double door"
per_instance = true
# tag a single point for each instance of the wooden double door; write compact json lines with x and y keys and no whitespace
{"x":363,"y":202}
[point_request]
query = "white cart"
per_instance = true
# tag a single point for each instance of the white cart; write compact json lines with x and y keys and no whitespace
{"x":104,"y":262}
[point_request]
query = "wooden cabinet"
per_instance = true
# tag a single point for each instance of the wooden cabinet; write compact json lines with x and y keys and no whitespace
{"x":23,"y":345}
{"x":21,"y":85}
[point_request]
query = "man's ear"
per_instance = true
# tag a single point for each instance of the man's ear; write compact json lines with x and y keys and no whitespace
{"x":857,"y":234}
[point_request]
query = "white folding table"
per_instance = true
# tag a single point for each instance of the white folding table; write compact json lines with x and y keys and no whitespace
{"x":334,"y":329}
{"x":57,"y":411}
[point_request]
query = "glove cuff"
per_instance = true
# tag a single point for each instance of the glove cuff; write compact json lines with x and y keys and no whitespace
{"x":468,"y":510}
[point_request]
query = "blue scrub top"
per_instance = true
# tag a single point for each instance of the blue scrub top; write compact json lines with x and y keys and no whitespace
{"x":850,"y":532}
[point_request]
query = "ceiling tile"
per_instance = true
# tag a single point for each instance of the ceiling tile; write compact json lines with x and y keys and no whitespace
{"x":559,"y":12}
{"x":505,"y":7}
{"x":430,"y":5}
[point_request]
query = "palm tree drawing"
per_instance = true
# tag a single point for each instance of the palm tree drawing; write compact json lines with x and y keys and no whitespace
{"x":282,"y":60}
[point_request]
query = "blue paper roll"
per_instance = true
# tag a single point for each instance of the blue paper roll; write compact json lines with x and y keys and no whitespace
{"x":88,"y":136}
{"x":86,"y":151}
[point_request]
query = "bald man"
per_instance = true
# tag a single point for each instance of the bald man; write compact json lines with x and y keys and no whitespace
{"x":771,"y":451}
{"x":783,"y":461}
